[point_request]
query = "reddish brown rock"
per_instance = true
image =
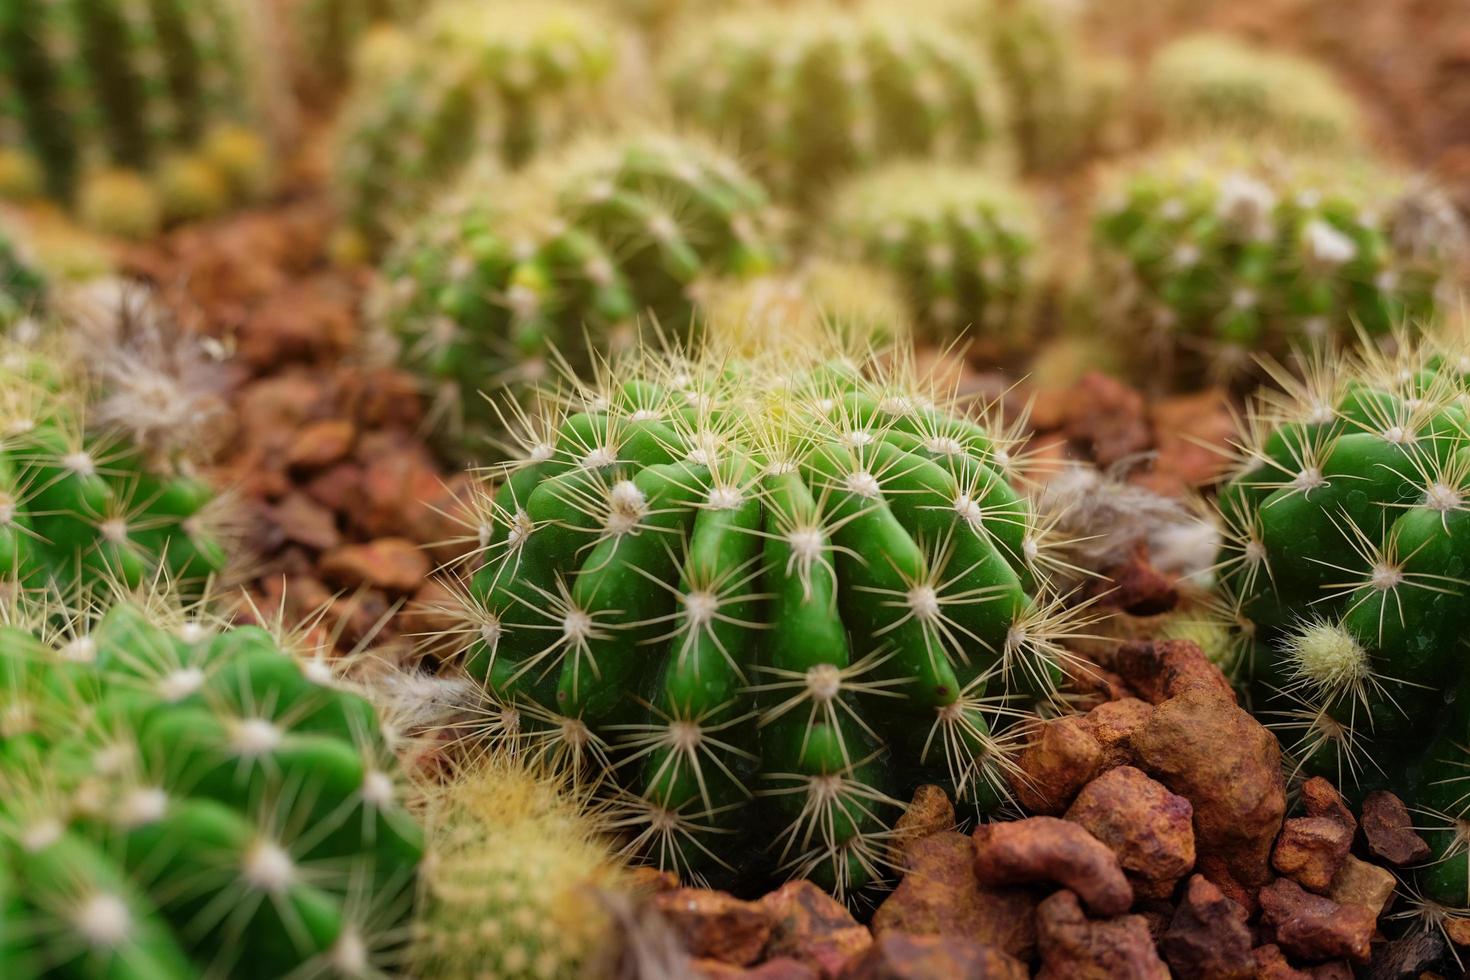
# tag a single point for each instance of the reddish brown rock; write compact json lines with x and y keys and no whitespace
{"x":1321,"y":799}
{"x":1149,"y":828}
{"x":940,"y":895}
{"x":1312,"y":927}
{"x":1271,"y":964}
{"x":1137,"y":587}
{"x":1389,"y":830}
{"x":645,"y":879}
{"x":321,"y":444}
{"x":1162,"y":669}
{"x":896,"y":956}
{"x":1113,"y":723}
{"x":928,"y":813}
{"x":1202,"y":746}
{"x":1074,"y":947}
{"x":394,"y":564}
{"x":1187,"y":428}
{"x":1208,"y":938}
{"x":1310,"y":850}
{"x":304,"y":521}
{"x":1105,"y":418}
{"x":784,"y":968}
{"x":813,"y":928}
{"x":1059,"y":759}
{"x":715,"y":925}
{"x":1361,"y":883}
{"x":1045,"y":849}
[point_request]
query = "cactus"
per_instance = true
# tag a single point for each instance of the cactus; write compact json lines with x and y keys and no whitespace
{"x":762,"y":596}
{"x":1213,"y":83}
{"x":94,"y":91}
{"x":1228,"y":250}
{"x":182,"y":798}
{"x":962,"y":242}
{"x":22,"y":285}
{"x":495,"y":79}
{"x":326,"y":33}
{"x":566,"y":256}
{"x":815,"y":93}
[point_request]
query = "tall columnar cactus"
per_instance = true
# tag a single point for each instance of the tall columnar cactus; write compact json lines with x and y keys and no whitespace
{"x":1209,"y":83}
{"x":1222,"y":250}
{"x":568,"y":255}
{"x":961,"y":241}
{"x":498,"y":80}
{"x":758,"y":600}
{"x":1348,"y":568}
{"x":179,"y":798}
{"x":93,"y":90}
{"x":816,"y":92}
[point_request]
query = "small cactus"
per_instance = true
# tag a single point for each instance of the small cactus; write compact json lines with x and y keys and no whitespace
{"x":565,"y":257}
{"x":757,"y":600}
{"x":182,"y":798}
{"x":962,"y":242}
{"x":815,"y":93}
{"x":326,"y":33}
{"x":1224,"y":251}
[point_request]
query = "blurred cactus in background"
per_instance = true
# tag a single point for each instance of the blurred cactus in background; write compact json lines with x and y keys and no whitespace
{"x":326,"y":34}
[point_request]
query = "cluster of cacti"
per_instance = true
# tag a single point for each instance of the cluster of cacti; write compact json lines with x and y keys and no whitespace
{"x":326,"y":33}
{"x":814,"y":93}
{"x":80,"y":504}
{"x":1346,"y":560}
{"x":1222,"y":251}
{"x":565,"y":257}
{"x":757,"y":600}
{"x":962,"y":243}
{"x":1208,"y":84}
{"x":489,"y":81}
{"x":135,"y":112}
{"x":179,"y":798}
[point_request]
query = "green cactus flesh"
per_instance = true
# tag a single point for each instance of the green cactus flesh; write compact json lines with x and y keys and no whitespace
{"x":736,"y":578}
{"x":184,"y":799}
{"x":327,"y":31}
{"x":22,"y":285}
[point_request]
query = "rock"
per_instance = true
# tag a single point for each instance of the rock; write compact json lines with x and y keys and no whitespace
{"x":1045,"y":849}
{"x":1073,"y":947}
{"x":1360,"y":883}
{"x":1202,"y":746}
{"x":1406,"y":958}
{"x":896,"y":956}
{"x":1059,"y":759}
{"x":1456,"y":931}
{"x":394,"y":564}
{"x":1113,"y":723}
{"x":1389,"y":830}
{"x":1162,"y":669}
{"x":1105,"y":418}
{"x":321,"y":444}
{"x":1312,"y":927}
{"x":784,"y":968}
{"x":1187,"y":427}
{"x":929,"y":812}
{"x":813,"y":928}
{"x":941,"y":896}
{"x":1321,"y":799}
{"x":1310,"y":850}
{"x":645,"y":879}
{"x":715,"y":925}
{"x":1271,"y":964}
{"x":1149,"y":828}
{"x":1137,"y":587}
{"x":335,"y":487}
{"x":1208,"y":938}
{"x":307,"y":522}
{"x":1336,"y":970}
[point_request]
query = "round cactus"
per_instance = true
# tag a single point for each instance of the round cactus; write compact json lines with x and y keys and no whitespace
{"x":496,"y":80}
{"x":325,"y":33}
{"x":567,"y":255}
{"x":761,"y":597}
{"x":962,"y":242}
{"x":1224,"y":251}
{"x":182,"y":798}
{"x":93,"y":91}
{"x":817,"y":92}
{"x":1209,"y":83}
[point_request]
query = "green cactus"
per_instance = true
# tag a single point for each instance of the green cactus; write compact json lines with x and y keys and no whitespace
{"x":567,"y":255}
{"x":757,"y":598}
{"x":817,"y":92}
{"x":22,"y":285}
{"x":1213,"y":83}
{"x":494,"y":80}
{"x":1223,"y":251}
{"x":961,"y":241}
{"x":90,"y":89}
{"x":179,"y":798}
{"x":326,"y":33}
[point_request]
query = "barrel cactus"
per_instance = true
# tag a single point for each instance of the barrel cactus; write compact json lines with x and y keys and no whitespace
{"x":128,"y":108}
{"x":183,"y":798}
{"x":488,"y":81}
{"x":962,"y":242}
{"x":326,"y":33}
{"x":816,"y":92}
{"x":756,"y":601}
{"x":1223,"y":251}
{"x":565,"y":257}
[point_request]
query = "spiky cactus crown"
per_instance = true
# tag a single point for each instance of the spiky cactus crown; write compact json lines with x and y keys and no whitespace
{"x":1209,"y":83}
{"x":498,"y":80}
{"x":1224,"y":250}
{"x":763,"y":595}
{"x":962,"y":242}
{"x":182,"y":798}
{"x":567,"y":256}
{"x":817,"y":92}
{"x":1345,"y":568}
